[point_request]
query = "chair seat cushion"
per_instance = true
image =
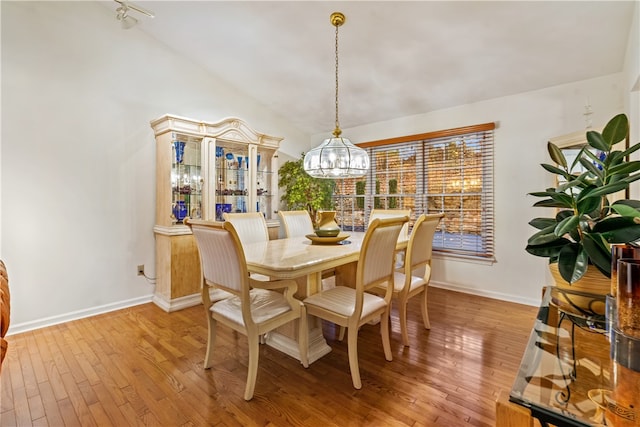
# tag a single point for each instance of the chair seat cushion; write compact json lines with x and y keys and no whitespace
{"x":398,"y":282}
{"x":342,"y":300}
{"x":265,"y":304}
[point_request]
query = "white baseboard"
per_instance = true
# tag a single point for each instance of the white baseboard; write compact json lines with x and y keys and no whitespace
{"x":479,"y":292}
{"x":17,"y":328}
{"x":195,"y":299}
{"x":177,"y":303}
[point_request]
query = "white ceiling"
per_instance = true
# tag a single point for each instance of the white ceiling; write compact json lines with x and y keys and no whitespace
{"x":396,"y":58}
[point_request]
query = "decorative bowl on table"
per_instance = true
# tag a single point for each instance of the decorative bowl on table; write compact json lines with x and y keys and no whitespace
{"x":329,"y":240}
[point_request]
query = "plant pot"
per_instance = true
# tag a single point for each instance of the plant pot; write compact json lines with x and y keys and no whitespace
{"x":593,"y":284}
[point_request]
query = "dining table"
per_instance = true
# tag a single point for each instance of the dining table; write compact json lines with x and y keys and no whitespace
{"x":304,"y":260}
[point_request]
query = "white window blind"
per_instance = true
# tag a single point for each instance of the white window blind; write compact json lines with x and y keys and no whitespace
{"x":446,"y":171}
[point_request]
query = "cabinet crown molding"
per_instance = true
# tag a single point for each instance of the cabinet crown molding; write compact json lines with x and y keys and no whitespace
{"x":230,"y":129}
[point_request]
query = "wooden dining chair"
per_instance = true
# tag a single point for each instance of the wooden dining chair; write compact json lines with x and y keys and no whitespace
{"x":414,"y":278}
{"x":296,"y":223}
{"x":351,"y":307}
{"x":251,"y":228}
{"x":256,"y":307}
{"x":404,"y":233}
{"x":392,"y":213}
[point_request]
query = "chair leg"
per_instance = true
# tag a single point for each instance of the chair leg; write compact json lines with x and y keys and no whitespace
{"x":303,"y":338}
{"x":208,"y":358}
{"x":341,"y":333}
{"x":402,"y":314}
{"x":252,"y":372}
{"x":425,"y":312}
{"x":384,"y":332}
{"x":352,"y":343}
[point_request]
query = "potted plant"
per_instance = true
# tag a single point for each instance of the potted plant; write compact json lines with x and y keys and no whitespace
{"x":579,"y":236}
{"x":301,"y":191}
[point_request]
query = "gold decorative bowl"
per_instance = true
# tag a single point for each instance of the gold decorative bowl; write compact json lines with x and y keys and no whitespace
{"x":327,"y":233}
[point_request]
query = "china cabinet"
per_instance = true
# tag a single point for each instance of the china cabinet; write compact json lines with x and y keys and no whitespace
{"x":204,"y":169}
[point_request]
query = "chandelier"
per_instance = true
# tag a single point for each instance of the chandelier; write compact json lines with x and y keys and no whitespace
{"x":336,"y":157}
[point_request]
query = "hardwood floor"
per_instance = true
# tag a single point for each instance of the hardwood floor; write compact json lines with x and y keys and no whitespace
{"x":142,"y":366}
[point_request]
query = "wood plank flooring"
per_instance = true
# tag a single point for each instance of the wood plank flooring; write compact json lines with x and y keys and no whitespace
{"x":142,"y":366}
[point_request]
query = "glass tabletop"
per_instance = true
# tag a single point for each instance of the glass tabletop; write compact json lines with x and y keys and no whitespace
{"x":566,"y":366}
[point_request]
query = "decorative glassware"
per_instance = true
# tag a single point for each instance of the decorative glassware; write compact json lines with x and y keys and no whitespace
{"x":179,"y":146}
{"x":628,"y":297}
{"x":180,"y":210}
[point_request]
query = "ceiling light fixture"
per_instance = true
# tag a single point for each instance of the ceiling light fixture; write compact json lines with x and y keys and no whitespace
{"x":336,"y":157}
{"x":122,"y":13}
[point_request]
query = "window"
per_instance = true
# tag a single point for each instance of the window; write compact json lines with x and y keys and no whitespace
{"x":447,"y":171}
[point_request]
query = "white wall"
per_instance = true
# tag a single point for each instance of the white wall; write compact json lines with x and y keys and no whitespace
{"x":78,"y":154}
{"x":525,"y":122}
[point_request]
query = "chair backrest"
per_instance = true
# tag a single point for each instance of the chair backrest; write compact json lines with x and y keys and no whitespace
{"x":375,"y":265}
{"x":250,"y":226}
{"x":296,"y":223}
{"x":392,"y":213}
{"x":421,"y":242}
{"x":221,"y":256}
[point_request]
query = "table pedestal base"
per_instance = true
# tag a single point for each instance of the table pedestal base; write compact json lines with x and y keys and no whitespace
{"x":283,"y":340}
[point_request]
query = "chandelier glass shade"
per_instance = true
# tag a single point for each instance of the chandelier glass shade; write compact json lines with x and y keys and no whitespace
{"x":336,"y":157}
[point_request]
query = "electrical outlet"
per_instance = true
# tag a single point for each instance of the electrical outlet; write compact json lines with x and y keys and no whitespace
{"x":141,"y":270}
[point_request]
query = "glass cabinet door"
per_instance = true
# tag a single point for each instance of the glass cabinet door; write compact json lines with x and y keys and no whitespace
{"x":186,"y":179}
{"x":240,"y":188}
{"x":232,"y":163}
{"x":264,"y":184}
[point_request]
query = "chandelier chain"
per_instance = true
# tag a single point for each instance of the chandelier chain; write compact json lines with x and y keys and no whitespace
{"x":337,"y":130}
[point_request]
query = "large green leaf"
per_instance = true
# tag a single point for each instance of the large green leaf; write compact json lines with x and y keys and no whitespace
{"x":550,"y":203}
{"x":618,"y":229}
{"x":588,"y":205}
{"x":556,"y":170}
{"x":543,"y":236}
{"x":556,"y":154}
{"x":606,"y":189}
{"x":625,"y":210}
{"x":631,"y":150}
{"x":599,"y":252}
{"x":542,"y":223}
{"x":595,"y":140}
{"x":576,"y":160}
{"x":628,"y":202}
{"x":625,"y":168}
{"x":616,"y":130}
{"x":548,"y":250}
{"x":567,"y":225}
{"x":597,"y":173}
{"x":572,"y":262}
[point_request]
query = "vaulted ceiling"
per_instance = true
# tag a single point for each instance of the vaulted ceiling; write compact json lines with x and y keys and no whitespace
{"x":396,"y":58}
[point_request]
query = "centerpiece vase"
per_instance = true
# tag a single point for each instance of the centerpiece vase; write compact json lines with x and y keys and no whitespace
{"x":327,"y":225}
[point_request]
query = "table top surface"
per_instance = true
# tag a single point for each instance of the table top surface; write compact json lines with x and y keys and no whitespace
{"x":546,"y":381}
{"x":298,"y":253}
{"x":286,"y":258}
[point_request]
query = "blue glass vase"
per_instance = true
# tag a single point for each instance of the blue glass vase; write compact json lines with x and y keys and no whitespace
{"x":180,"y":210}
{"x":179,"y":146}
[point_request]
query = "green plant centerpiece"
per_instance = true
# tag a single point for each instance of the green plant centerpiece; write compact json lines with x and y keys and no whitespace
{"x":301,"y":191}
{"x":579,"y":236}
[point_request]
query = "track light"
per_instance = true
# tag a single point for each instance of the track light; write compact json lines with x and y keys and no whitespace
{"x":122,"y":13}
